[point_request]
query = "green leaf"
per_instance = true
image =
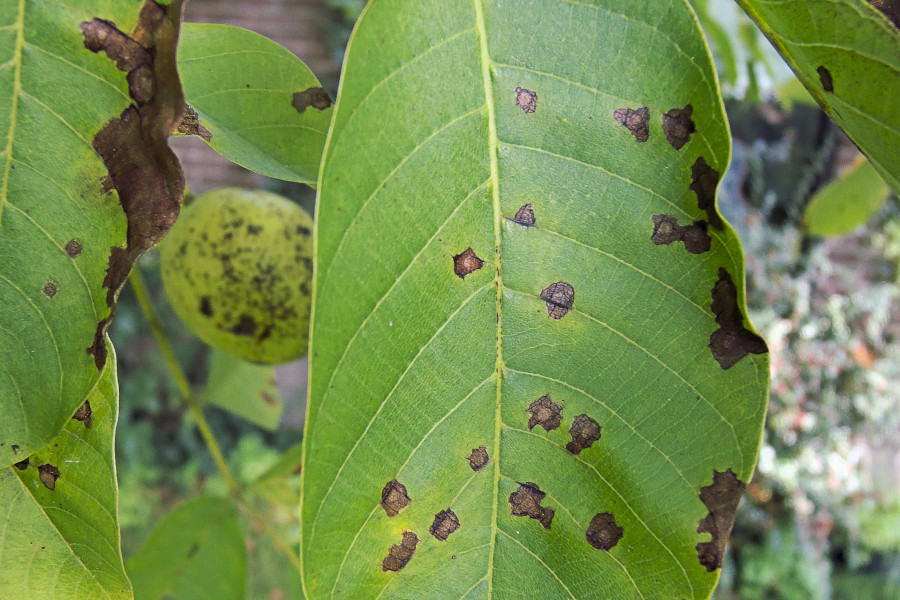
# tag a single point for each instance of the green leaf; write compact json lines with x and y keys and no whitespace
{"x":453,"y":118}
{"x":196,"y":553}
{"x":57,"y":223}
{"x":792,"y":91}
{"x":64,"y":542}
{"x":279,"y":484}
{"x":287,"y":465}
{"x":723,"y":49}
{"x":242,"y":85}
{"x":847,"y":202}
{"x":245,"y":389}
{"x":847,"y":54}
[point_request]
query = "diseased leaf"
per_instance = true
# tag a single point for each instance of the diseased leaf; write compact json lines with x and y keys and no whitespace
{"x":196,"y":553}
{"x":847,"y":202}
{"x":261,"y":106}
{"x":65,"y":108}
{"x":847,"y":54}
{"x":244,"y":389}
{"x":488,"y":252}
{"x":60,"y":537}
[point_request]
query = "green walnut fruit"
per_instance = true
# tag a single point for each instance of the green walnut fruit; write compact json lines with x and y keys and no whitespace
{"x":237,"y":267}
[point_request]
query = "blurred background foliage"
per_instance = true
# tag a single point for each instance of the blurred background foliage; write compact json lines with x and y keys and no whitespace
{"x":821,"y":518}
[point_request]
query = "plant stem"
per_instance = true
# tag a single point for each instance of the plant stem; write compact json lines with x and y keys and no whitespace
{"x":282,"y":545}
{"x":140,"y":290}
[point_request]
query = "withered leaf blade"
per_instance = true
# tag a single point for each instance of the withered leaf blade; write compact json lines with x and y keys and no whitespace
{"x":314,"y":97}
{"x":399,"y":554}
{"x":48,"y":475}
{"x":133,"y":146}
{"x":721,"y":498}
{"x":584,"y":431}
{"x":466,"y":263}
{"x":84,"y":414}
{"x":603,"y":533}
{"x":544,"y":412}
{"x":394,"y":498}
{"x":678,"y":126}
{"x":525,"y":216}
{"x":559,"y":297}
{"x":667,"y":230}
{"x":526,"y":100}
{"x":704,"y":180}
{"x":526,"y":502}
{"x":478,"y":458}
{"x":190,"y":124}
{"x":732,"y":341}
{"x":635,"y":121}
{"x":445,"y":523}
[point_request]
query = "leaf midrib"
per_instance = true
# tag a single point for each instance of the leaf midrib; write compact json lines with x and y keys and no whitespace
{"x":19,"y":26}
{"x":498,"y":280}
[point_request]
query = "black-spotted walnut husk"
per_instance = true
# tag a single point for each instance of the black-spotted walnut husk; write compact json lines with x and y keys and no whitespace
{"x":237,"y":268}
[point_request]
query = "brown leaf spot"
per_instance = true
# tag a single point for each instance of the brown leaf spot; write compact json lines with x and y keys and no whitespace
{"x":103,"y":36}
{"x":50,"y":288}
{"x":603,"y":533}
{"x":678,"y":126}
{"x":825,"y":78}
{"x":22,"y":464}
{"x":399,"y":554}
{"x":584,"y":431}
{"x":544,"y":412}
{"x":394,"y":498}
{"x":73,"y":248}
{"x":190,"y":124}
{"x":466,"y":263}
{"x":133,"y":146}
{"x":721,"y":498}
{"x":526,"y":502}
{"x":84,"y":414}
{"x":525,"y":216}
{"x":15,"y":448}
{"x":559,"y":297}
{"x":48,"y":475}
{"x":636,"y":121}
{"x":314,"y":96}
{"x":478,"y":458}
{"x":732,"y":341}
{"x":526,"y":100}
{"x":704,"y":180}
{"x":445,"y":523}
{"x":667,"y":230}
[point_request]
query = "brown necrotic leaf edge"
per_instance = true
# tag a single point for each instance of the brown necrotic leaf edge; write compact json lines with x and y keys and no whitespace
{"x":721,"y":498}
{"x":133,"y":146}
